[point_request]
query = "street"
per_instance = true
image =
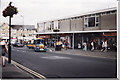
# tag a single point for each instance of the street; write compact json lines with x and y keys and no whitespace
{"x":54,"y":65}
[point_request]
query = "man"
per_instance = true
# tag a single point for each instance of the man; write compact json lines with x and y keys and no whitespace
{"x":106,"y":45}
{"x":92,"y":44}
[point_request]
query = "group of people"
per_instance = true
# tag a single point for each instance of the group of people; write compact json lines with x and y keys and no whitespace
{"x":92,"y":45}
{"x":60,"y":43}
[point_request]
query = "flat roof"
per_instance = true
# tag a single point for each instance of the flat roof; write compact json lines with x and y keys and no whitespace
{"x":93,"y":31}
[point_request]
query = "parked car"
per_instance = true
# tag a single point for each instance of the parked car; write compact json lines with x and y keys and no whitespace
{"x":17,"y":44}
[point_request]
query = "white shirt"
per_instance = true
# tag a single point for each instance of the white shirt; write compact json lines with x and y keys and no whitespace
{"x":105,"y":43}
{"x":2,"y":42}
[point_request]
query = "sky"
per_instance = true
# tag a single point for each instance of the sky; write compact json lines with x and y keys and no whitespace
{"x":31,"y":12}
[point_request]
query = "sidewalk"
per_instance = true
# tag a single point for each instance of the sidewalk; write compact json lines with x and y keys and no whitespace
{"x":10,"y":71}
{"x":0,"y":68}
{"x":96,"y":53}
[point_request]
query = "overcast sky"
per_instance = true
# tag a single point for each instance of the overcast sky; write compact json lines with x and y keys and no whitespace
{"x":33,"y":11}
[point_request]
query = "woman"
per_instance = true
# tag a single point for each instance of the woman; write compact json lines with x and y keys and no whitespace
{"x":3,"y":52}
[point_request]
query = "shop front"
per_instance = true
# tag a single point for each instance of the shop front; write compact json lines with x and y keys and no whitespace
{"x":112,"y":40}
{"x":80,"y":38}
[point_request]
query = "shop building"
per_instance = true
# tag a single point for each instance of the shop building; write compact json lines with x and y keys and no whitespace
{"x":96,"y":25}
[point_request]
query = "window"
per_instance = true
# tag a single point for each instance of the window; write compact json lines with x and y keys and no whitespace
{"x":3,"y":34}
{"x":25,"y":34}
{"x":49,"y":28}
{"x":3,"y":29}
{"x":14,"y":35}
{"x":20,"y":34}
{"x":91,"y":21}
{"x":59,"y":25}
{"x":30,"y":34}
{"x":97,"y":19}
{"x":113,"y":12}
{"x":14,"y":30}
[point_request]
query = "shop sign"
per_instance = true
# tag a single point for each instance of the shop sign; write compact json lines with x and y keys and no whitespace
{"x":110,"y":34}
{"x":46,"y":36}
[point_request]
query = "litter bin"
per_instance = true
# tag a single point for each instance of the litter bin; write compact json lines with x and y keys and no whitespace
{"x":58,"y":48}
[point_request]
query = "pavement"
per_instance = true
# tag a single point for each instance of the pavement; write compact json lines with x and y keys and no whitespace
{"x":96,"y":53}
{"x":11,"y":71}
{"x":0,"y":68}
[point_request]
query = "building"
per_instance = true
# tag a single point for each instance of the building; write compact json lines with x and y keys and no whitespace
{"x":18,"y":32}
{"x":4,"y":31}
{"x":96,"y":25}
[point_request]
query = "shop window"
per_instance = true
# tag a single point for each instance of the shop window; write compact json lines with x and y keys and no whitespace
{"x":30,"y":34}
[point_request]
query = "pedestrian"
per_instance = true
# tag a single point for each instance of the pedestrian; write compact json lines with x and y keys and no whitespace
{"x":3,"y":52}
{"x":65,"y":45}
{"x":94,"y":42}
{"x":84,"y":46}
{"x":103,"y":46}
{"x":60,"y":43}
{"x":106,"y":46}
{"x":92,"y":46}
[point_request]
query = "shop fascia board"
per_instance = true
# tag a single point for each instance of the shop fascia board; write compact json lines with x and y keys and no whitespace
{"x":97,"y":31}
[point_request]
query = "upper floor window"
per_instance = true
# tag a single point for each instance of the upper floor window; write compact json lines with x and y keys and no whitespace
{"x":3,"y":29}
{"x":3,"y":33}
{"x":14,"y":34}
{"x":91,"y":21}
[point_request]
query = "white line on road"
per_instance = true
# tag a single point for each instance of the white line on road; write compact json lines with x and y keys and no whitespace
{"x":56,"y":57}
{"x":23,"y":51}
{"x":27,"y":69}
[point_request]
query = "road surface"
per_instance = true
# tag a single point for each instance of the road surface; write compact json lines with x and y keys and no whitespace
{"x":56,"y":65}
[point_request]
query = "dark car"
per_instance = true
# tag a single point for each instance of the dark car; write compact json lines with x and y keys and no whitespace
{"x":17,"y":44}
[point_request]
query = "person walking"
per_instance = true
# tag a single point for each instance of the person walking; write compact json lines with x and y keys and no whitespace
{"x":92,"y":45}
{"x":106,"y":46}
{"x":103,"y":46}
{"x":84,"y":46}
{"x":66,"y":45}
{"x":3,"y":52}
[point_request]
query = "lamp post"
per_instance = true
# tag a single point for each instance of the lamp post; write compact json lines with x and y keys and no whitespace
{"x":10,"y":11}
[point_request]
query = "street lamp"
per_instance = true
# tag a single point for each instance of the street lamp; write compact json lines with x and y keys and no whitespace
{"x":9,"y":11}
